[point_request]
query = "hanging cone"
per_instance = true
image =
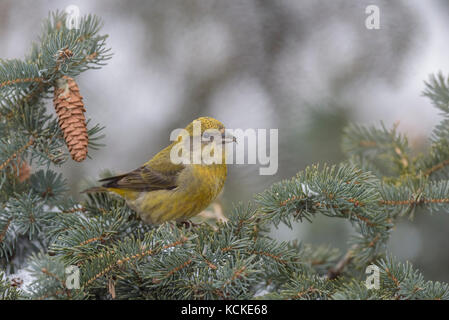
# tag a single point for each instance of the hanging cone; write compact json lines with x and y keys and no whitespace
{"x":70,"y":109}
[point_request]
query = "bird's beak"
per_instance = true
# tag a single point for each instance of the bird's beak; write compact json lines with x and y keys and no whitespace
{"x":227,"y":138}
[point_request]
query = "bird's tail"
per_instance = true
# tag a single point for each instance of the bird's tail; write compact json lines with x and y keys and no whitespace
{"x":108,"y":185}
{"x":111,"y":182}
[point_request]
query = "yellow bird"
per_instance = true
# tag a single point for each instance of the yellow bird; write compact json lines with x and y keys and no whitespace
{"x":163,"y":190}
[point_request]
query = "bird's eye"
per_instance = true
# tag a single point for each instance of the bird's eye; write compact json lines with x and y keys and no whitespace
{"x":207,"y":136}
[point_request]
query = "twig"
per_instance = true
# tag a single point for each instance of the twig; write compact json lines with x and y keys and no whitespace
{"x":335,"y":272}
{"x":436,"y":167}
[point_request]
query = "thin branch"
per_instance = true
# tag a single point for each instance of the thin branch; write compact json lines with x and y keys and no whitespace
{"x":336,"y":271}
{"x":16,"y":154}
{"x":436,"y":167}
{"x":16,"y":81}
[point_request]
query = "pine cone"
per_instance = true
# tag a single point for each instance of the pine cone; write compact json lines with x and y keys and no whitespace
{"x":70,"y":109}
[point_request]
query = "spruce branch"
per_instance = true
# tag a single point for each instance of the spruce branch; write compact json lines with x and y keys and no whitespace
{"x":15,"y":154}
{"x":336,"y":191}
{"x":436,"y":164}
{"x":31,"y":136}
{"x":405,"y":282}
{"x":8,"y":289}
{"x":380,"y":150}
{"x":437,"y":89}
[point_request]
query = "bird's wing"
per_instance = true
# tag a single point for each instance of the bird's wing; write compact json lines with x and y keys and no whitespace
{"x":144,"y":178}
{"x":157,"y":174}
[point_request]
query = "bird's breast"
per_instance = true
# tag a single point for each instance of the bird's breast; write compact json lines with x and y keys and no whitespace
{"x":205,"y":181}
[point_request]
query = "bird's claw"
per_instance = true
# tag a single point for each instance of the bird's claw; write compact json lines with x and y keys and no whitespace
{"x":187,"y":224}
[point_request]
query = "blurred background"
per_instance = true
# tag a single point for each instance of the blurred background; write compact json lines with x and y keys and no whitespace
{"x":306,"y":67}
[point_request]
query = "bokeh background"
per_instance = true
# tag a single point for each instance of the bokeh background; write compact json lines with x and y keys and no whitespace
{"x":306,"y":67}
